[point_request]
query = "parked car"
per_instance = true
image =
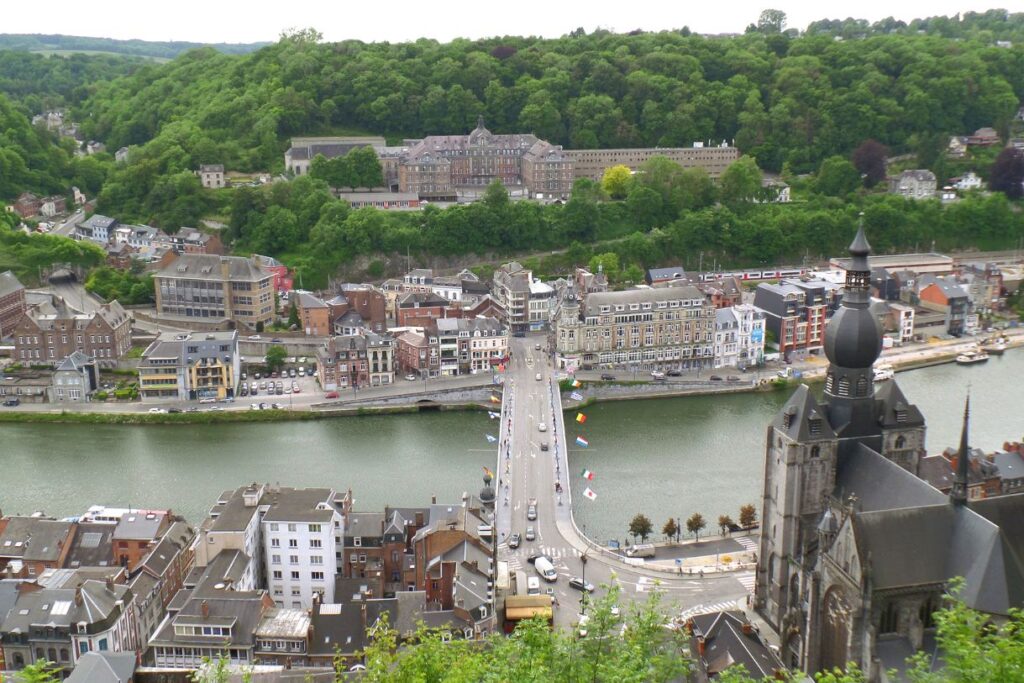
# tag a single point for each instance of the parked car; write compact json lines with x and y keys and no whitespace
{"x":543,"y":445}
{"x":716,"y":378}
{"x":302,"y":371}
{"x":292,"y":373}
{"x":254,"y":337}
{"x":542,"y":427}
{"x":411,"y":377}
{"x":255,"y":375}
{"x":581,"y":585}
{"x":656,"y":375}
{"x":157,"y":410}
{"x":275,"y":340}
{"x":331,"y":394}
{"x":733,"y":378}
{"x":674,"y":373}
{"x":174,"y":410}
{"x":514,"y":540}
{"x":607,"y":377}
{"x":12,"y":402}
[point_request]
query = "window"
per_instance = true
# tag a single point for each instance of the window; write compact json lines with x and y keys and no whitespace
{"x":315,"y":543}
{"x":314,"y":528}
{"x":275,"y":559}
{"x":293,"y":559}
{"x":295,"y":576}
{"x":275,"y":543}
{"x":292,"y":528}
{"x":316,"y":559}
{"x":357,"y":541}
{"x":317,"y":576}
{"x":293,"y":543}
{"x":277,"y":574}
{"x":273,"y":526}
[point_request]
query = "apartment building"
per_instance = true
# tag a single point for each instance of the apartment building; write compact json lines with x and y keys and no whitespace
{"x":512,"y":292}
{"x":190,"y":366}
{"x":739,"y":336}
{"x":469,"y":345}
{"x":663,"y":328}
{"x":358,"y":360}
{"x":215,"y":289}
{"x":796,"y":311}
{"x":416,"y":352}
{"x":592,"y":163}
{"x":51,"y":331}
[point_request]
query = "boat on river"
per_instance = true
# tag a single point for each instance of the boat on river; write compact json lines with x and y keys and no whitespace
{"x":995,"y":346}
{"x":971,"y":357}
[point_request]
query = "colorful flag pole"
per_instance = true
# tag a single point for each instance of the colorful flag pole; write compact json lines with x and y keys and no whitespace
{"x":588,"y":475}
{"x":488,"y":472}
{"x":491,"y":439}
{"x":495,"y":399}
{"x":589,"y":494}
{"x":576,"y":384}
{"x":582,"y":442}
{"x":581,"y":418}
{"x":576,"y":396}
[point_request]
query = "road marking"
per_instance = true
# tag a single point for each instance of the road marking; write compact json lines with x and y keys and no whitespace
{"x":747,"y":543}
{"x":747,"y":580}
{"x":708,"y":608}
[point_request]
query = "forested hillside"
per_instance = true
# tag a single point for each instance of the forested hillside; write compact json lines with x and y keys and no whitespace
{"x":37,"y":42}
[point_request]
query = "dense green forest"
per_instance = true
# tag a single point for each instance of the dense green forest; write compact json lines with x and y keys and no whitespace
{"x":26,"y":255}
{"x":39,"y":83}
{"x":37,"y":42}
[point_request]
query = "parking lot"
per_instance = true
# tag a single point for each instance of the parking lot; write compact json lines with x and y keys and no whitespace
{"x":295,"y":380}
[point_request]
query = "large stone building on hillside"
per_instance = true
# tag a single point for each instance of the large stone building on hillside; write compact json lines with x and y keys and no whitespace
{"x":51,"y":331}
{"x":856,"y":549}
{"x":217,"y":290}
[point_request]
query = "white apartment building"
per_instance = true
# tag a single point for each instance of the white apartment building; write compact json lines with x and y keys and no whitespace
{"x":541,"y":297}
{"x":303,"y":536}
{"x":739,"y":336}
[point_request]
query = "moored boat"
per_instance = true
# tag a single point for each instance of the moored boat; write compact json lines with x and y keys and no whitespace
{"x":972,"y":356}
{"x":996,"y":346}
{"x":883,"y":372}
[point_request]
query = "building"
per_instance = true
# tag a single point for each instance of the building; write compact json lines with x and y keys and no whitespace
{"x":215,"y":289}
{"x":368,"y":301}
{"x":416,"y":309}
{"x":50,"y":332}
{"x":857,"y":551}
{"x":512,"y":292}
{"x":440,"y":166}
{"x":649,"y":328}
{"x":381,"y":200}
{"x":417,"y":353}
{"x":75,"y":379}
{"x":359,"y":360}
{"x":299,"y":157}
{"x":160,"y":575}
{"x":914,"y":184}
{"x":96,"y":228}
{"x":968,"y":181}
{"x":212,"y":175}
{"x":191,"y":241}
{"x":27,"y":386}
{"x":945,"y":295}
{"x":983,"y":137}
{"x":937,"y":264}
{"x":104,"y":667}
{"x":283,"y":280}
{"x":469,"y":345}
{"x":656,"y":276}
{"x":190,"y":366}
{"x":31,"y":545}
{"x":299,"y":530}
{"x":720,"y":640}
{"x":541,"y":302}
{"x":315,"y":317}
{"x":12,"y":303}
{"x":739,"y":337}
{"x":899,"y":319}
{"x":983,"y":477}
{"x":62,"y":624}
{"x":796,"y":312}
{"x":592,"y":163}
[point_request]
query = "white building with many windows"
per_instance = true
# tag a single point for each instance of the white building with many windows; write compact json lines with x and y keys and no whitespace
{"x":739,"y":336}
{"x":303,"y":536}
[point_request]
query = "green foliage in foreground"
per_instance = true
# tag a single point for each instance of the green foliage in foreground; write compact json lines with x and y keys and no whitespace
{"x":123,"y":285}
{"x":27,"y":254}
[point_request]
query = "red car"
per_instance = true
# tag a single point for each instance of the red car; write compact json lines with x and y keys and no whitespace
{"x":331,"y":394}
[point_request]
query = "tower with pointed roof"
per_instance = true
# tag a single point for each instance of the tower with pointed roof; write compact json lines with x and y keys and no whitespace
{"x":958,"y":494}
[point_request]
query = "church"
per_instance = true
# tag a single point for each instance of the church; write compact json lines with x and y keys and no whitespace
{"x":856,"y":550}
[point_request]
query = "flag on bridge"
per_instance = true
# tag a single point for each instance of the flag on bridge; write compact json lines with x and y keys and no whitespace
{"x":582,"y":442}
{"x":588,"y":475}
{"x":491,"y":439}
{"x":589,"y":494}
{"x":576,"y":384}
{"x":488,"y":472}
{"x":495,"y":399}
{"x":581,"y":418}
{"x":576,"y":396}
{"x":492,"y":415}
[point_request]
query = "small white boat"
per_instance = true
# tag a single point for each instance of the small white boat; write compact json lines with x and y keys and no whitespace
{"x":884,"y":372}
{"x":972,"y":356}
{"x":996,"y":346}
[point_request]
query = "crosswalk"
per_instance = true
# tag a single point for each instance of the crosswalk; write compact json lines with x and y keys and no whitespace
{"x":747,"y":579}
{"x":711,"y":607}
{"x":516,"y":560}
{"x":747,"y":542}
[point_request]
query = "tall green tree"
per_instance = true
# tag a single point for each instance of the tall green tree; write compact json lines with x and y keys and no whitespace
{"x":640,"y":527}
{"x":837,"y":177}
{"x":616,"y":181}
{"x":740,"y":181}
{"x":695,"y":524}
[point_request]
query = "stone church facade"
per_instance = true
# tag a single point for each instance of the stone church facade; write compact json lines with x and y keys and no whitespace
{"x":857,"y":551}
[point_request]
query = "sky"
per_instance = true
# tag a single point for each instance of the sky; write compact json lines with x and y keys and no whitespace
{"x":233,"y":21}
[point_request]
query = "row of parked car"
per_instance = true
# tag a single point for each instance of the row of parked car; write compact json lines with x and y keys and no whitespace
{"x":269,"y":387}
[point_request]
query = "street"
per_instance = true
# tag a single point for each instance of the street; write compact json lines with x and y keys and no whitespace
{"x":526,"y":471}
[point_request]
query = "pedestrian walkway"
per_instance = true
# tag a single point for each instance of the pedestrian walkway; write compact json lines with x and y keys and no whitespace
{"x":747,"y":542}
{"x":723,"y":606}
{"x":748,"y":580}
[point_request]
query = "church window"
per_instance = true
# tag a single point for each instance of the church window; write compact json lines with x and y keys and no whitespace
{"x":814,"y":426}
{"x":889,"y":622}
{"x":829,"y":382}
{"x":844,"y":386}
{"x":862,"y":386}
{"x":815,"y":451}
{"x":900,"y":441}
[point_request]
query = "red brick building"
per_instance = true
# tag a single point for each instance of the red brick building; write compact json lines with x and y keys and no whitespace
{"x":12,"y":303}
{"x":418,"y":309}
{"x":417,"y":353}
{"x":49,"y":333}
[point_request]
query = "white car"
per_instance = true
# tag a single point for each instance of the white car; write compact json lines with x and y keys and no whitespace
{"x":542,"y":427}
{"x":158,"y":410}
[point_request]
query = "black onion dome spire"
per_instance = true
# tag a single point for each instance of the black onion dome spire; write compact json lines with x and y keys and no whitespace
{"x":853,"y":338}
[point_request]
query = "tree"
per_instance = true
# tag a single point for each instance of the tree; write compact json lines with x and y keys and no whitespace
{"x":293,"y":317}
{"x":366,"y":170}
{"x":40,"y":672}
{"x":740,"y":181}
{"x":640,"y":526}
{"x":633,"y":274}
{"x":869,"y":159}
{"x":616,"y":181}
{"x":1007,"y":175}
{"x":724,"y":523}
{"x":837,"y":177}
{"x":608,"y":263}
{"x":275,"y":357}
{"x":748,"y":516}
{"x":695,"y":524}
{"x":670,"y":529}
{"x":771,"y":21}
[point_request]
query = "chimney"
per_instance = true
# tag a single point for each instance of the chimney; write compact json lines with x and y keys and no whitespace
{"x":204,"y":609}
{"x":748,"y":628}
{"x":433,"y":500}
{"x":78,"y":596}
{"x":110,"y":584}
{"x":700,"y":646}
{"x":419,"y":519}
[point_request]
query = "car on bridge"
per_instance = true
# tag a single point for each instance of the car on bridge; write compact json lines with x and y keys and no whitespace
{"x":538,"y":377}
{"x":542,"y":427}
{"x":514,"y":540}
{"x":531,"y":510}
{"x":543,"y":445}
{"x":531,"y":535}
{"x":607,"y":377}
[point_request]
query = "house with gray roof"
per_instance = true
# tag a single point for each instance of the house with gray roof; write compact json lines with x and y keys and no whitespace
{"x":104,"y":667}
{"x":720,"y":640}
{"x":30,"y":545}
{"x":96,"y":228}
{"x":75,"y":379}
{"x":914,"y":184}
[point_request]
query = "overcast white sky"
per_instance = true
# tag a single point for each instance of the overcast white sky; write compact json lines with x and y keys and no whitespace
{"x":400,"y":20}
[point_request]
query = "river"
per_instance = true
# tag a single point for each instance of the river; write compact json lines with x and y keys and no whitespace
{"x":666,"y":457}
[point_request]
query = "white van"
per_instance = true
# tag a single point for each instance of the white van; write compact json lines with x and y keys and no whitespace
{"x":641,"y":550}
{"x":533,"y":586}
{"x":545,"y":569}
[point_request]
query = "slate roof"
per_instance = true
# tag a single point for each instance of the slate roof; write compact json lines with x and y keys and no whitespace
{"x":803,"y":409}
{"x":242,"y":609}
{"x":639,"y":296}
{"x":208,"y":267}
{"x":674,"y":272}
{"x":138,"y":526}
{"x":365,"y":524}
{"x":880,"y":484}
{"x":33,"y":538}
{"x":74,"y":362}
{"x":9,"y":283}
{"x":103,"y":667}
{"x":338,"y":626}
{"x":98,"y":221}
{"x":58,"y":606}
{"x":297,"y":505}
{"x":91,"y":546}
{"x":174,"y":540}
{"x":889,"y":401}
{"x":725,"y":645}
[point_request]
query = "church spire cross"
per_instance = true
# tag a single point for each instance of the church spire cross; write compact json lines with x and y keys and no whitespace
{"x":958,"y":494}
